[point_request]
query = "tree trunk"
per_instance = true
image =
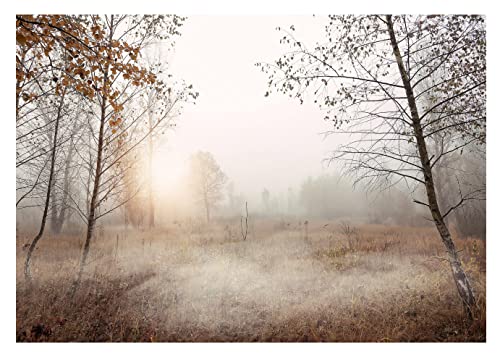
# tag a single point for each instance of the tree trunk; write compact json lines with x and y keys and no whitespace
{"x":207,"y":209}
{"x":60,"y":216}
{"x":462,"y":282}
{"x":31,"y":249}
{"x":95,"y":192}
{"x":53,"y":208}
{"x":93,"y":200}
{"x":151,"y":212}
{"x":91,"y":218}
{"x":97,"y":182}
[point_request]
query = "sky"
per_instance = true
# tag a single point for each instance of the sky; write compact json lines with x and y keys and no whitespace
{"x":260,"y":142}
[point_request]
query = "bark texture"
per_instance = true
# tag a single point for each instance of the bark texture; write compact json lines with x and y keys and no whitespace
{"x":462,"y":282}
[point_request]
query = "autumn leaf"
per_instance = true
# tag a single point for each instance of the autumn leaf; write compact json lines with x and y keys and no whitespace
{"x":20,"y":39}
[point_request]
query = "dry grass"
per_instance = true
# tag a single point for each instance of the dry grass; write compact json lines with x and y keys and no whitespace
{"x":190,"y":282}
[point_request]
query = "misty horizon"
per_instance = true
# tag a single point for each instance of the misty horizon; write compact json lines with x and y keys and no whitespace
{"x":251,"y":178}
{"x":252,"y":136}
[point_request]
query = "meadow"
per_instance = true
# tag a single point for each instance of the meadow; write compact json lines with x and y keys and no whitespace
{"x":288,"y":281}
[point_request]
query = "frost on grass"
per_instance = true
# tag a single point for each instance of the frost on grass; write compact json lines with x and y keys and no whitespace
{"x":277,"y":287}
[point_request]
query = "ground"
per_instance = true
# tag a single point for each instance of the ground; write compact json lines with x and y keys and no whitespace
{"x":288,"y":281}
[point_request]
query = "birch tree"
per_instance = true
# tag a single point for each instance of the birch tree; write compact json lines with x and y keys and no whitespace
{"x":371,"y":75}
{"x":117,"y":122}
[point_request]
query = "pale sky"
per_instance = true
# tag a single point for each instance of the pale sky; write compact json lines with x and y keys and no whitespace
{"x":258,"y":141}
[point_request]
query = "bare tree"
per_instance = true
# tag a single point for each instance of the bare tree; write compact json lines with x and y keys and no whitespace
{"x":42,"y":123}
{"x":119,"y":123}
{"x":103,"y":64}
{"x":43,"y":221}
{"x":371,"y":75}
{"x":69,"y":166}
{"x":207,"y":180}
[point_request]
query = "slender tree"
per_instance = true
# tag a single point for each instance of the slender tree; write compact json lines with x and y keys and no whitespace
{"x":372,"y":75}
{"x":207,"y":180}
{"x":119,"y":124}
{"x":43,"y":221}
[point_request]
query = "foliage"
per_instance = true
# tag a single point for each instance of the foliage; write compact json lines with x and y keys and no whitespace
{"x":93,"y":57}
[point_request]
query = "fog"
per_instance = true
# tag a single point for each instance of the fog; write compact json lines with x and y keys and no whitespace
{"x":264,"y":145}
{"x":244,"y":178}
{"x":259,"y":141}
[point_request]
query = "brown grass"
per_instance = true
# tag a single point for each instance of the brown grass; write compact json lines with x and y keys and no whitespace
{"x":191,"y":282}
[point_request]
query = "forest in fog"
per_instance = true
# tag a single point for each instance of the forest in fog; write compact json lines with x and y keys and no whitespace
{"x":245,"y":178}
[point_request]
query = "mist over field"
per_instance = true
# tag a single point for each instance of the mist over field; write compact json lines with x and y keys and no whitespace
{"x":244,"y":178}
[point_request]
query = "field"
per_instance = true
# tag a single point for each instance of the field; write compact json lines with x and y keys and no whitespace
{"x":288,"y":281}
